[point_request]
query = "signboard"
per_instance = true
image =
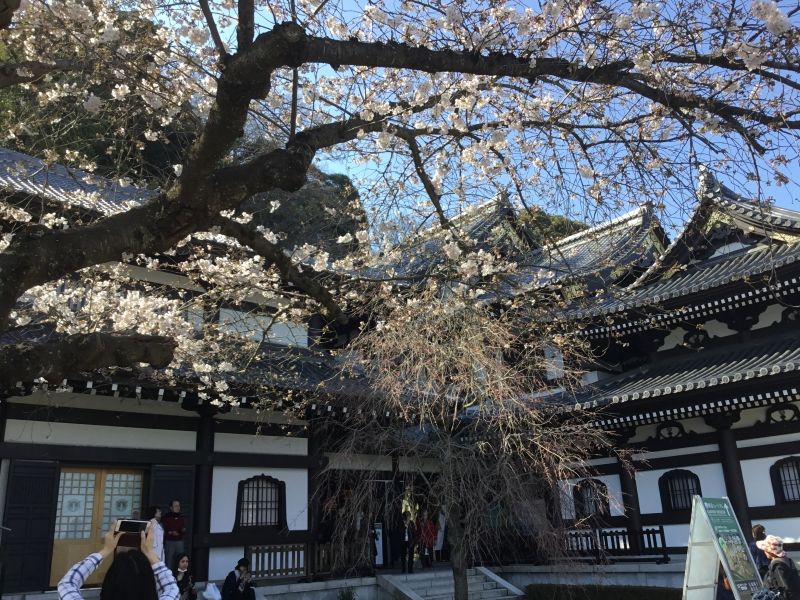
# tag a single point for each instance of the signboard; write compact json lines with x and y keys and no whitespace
{"x":715,"y":538}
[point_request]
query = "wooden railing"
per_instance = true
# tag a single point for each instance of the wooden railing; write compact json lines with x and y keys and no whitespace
{"x":619,"y":544}
{"x":276,"y":561}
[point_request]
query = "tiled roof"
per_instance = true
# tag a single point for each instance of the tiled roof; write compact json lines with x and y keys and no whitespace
{"x":301,"y":369}
{"x":716,"y":199}
{"x":673,"y":275}
{"x":595,"y":252}
{"x":490,"y":226}
{"x":703,"y":276}
{"x":710,"y":368}
{"x":28,"y":175}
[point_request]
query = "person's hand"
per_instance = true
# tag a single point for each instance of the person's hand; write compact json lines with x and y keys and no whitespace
{"x":110,"y":541}
{"x":147,"y":545}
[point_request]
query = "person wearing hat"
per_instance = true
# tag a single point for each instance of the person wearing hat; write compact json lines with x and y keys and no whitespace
{"x":761,"y":560}
{"x":782,"y":577}
{"x":237,"y":584}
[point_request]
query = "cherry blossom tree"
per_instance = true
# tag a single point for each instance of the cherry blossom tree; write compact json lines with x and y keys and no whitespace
{"x":580,"y":107}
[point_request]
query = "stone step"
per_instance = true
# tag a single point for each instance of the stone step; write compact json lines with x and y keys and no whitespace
{"x":421,"y":575}
{"x":505,"y":596}
{"x":447,"y":588}
{"x":431,"y":585}
{"x":495,"y":594}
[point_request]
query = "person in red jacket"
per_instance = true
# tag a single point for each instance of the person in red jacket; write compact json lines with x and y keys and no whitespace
{"x":174,"y":525}
{"x":426,"y":529}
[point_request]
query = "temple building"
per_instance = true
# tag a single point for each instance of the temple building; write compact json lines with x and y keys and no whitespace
{"x":696,"y":342}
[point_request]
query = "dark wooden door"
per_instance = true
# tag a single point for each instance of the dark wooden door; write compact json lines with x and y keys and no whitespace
{"x":170,"y":482}
{"x":30,"y":514}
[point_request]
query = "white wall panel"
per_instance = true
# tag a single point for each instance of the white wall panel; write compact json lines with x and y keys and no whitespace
{"x":757,"y":481}
{"x":70,"y":434}
{"x":775,"y":439}
{"x":788,"y":529}
{"x":716,"y":329}
{"x":676,"y":535}
{"x":675,"y":338}
{"x":770,"y":316}
{"x":359,"y":462}
{"x":712,"y":483}
{"x":260,"y":444}
{"x":104,"y":403}
{"x":676,"y":452}
{"x":226,"y":487}
{"x":222,"y":561}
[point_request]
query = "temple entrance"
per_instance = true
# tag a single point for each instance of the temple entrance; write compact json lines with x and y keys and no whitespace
{"x":89,"y":501}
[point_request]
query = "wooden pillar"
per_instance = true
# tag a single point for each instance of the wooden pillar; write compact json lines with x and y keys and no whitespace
{"x":203,"y":482}
{"x":318,"y":463}
{"x":731,"y":467}
{"x":630,"y":500}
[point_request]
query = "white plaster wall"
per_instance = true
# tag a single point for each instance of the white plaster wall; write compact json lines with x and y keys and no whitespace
{"x":676,"y":535}
{"x":770,"y":316}
{"x":712,"y":483}
{"x":68,"y":434}
{"x":226,"y":487}
{"x":693,"y":425}
{"x":676,"y":451}
{"x":748,"y":418}
{"x":359,"y":462}
{"x":4,"y":467}
{"x":222,"y":561}
{"x":716,"y":329}
{"x":775,"y":439}
{"x":414,"y":465}
{"x":674,"y":338}
{"x":260,"y":444}
{"x":788,"y":529}
{"x":643,"y":432}
{"x":259,"y":417}
{"x":758,"y":483}
{"x":615,"y":505}
{"x":104,"y":403}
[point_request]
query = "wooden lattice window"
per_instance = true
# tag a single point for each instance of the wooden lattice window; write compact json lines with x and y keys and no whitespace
{"x":261,"y":504}
{"x":677,"y":488}
{"x":786,"y":479}
{"x":591,"y":498}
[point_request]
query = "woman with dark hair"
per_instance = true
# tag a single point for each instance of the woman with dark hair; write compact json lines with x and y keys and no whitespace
{"x":183,"y":577}
{"x":237,"y":584}
{"x":134,"y":575}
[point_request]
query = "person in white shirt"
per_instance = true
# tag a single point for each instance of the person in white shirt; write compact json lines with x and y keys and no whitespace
{"x":154,"y":516}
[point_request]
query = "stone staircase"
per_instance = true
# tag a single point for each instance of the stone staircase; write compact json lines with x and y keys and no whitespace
{"x":437,"y":584}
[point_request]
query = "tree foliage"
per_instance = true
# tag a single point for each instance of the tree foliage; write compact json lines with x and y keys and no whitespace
{"x":577,"y":107}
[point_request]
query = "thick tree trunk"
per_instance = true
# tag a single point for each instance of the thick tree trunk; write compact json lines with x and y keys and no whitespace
{"x":458,"y":554}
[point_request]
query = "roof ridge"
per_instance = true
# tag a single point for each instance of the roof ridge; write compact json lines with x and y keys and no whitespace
{"x":645,"y":209}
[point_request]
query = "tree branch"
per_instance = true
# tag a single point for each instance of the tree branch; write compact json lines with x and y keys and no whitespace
{"x":212,"y":28}
{"x":244,"y":31}
{"x":67,"y":357}
{"x":29,"y":71}
{"x":290,"y":272}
